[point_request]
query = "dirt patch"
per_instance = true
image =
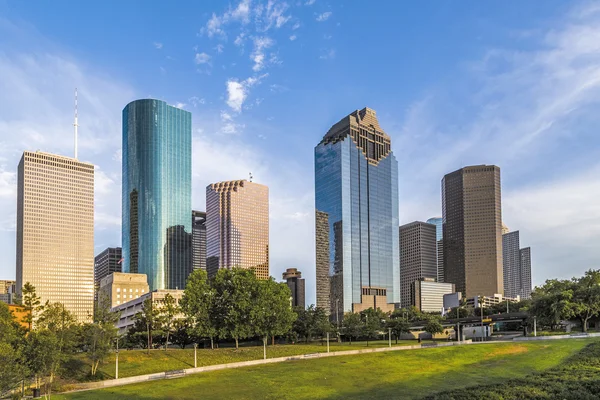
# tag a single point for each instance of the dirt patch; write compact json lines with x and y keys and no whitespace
{"x":503,"y":351}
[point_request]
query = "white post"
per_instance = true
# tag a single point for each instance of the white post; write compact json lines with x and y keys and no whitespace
{"x":117,"y":360}
{"x":195,"y":355}
{"x":534,"y":327}
{"x":390,"y":336}
{"x":264,"y":348}
{"x":328,"y":342}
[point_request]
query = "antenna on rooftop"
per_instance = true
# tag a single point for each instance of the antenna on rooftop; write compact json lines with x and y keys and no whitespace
{"x":251,"y":177}
{"x":75,"y":124}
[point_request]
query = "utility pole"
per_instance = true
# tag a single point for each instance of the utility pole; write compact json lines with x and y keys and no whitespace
{"x":507,"y":311}
{"x":481,"y":306}
{"x":195,"y":355}
{"x":390,"y":336}
{"x":328,"y":342}
{"x":534,"y":327}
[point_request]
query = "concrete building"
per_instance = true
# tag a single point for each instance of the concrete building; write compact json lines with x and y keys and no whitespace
{"x":356,"y":193}
{"x":472,"y":213}
{"x":105,"y":263}
{"x":130,"y":308}
{"x":439,"y":244}
{"x":199,"y":240}
{"x":428,"y":295}
{"x":517,"y":266}
{"x":237,"y":227}
{"x":55,"y":230}
{"x":418,"y":258}
{"x":157,"y":192}
{"x":488,"y":301}
{"x":120,"y":287}
{"x":323,"y":284}
{"x":294,"y":280}
{"x":8,"y":290}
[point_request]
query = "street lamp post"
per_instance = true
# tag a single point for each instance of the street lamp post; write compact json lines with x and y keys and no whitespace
{"x":117,"y":360}
{"x":481,"y":306}
{"x":328,"y":342}
{"x":195,"y":355}
{"x":390,"y":336}
{"x":534,"y":327}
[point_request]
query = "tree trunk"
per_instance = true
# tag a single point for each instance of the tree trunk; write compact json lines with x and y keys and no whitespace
{"x":584,"y":324}
{"x":237,"y":345}
{"x":273,"y":340}
{"x":167,"y":342}
{"x":149,"y":340}
{"x":212,"y":344}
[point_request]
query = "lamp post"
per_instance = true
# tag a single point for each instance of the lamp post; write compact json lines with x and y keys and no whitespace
{"x":328,"y":342}
{"x":117,"y":360}
{"x":390,"y":337}
{"x":337,"y":313}
{"x":481,"y":306}
{"x":195,"y":355}
{"x":534,"y":326}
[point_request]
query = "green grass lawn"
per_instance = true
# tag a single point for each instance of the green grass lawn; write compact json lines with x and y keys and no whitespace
{"x":400,"y":375}
{"x":139,"y":362}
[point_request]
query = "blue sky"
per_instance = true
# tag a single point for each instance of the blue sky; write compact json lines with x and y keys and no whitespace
{"x":516,"y":84}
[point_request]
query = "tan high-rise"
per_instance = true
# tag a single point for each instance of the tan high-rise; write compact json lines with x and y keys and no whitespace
{"x":237,"y":227}
{"x":472,"y":223}
{"x":55,"y":230}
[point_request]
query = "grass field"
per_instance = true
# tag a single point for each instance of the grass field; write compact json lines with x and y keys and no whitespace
{"x":390,"y":375}
{"x":138,"y":362}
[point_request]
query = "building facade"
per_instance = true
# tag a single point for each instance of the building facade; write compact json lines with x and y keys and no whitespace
{"x":428,"y":295}
{"x":517,"y":266}
{"x":129,"y":309}
{"x":525,"y":273}
{"x":472,"y":213}
{"x":55,"y":230}
{"x":105,"y":263}
{"x":294,"y":280}
{"x":356,"y":192}
{"x":199,"y":240}
{"x":418,"y":258}
{"x":237,"y":227}
{"x":119,"y":287}
{"x":8,"y":289}
{"x":157,"y":193}
{"x":322,"y":283}
{"x":439,"y":245}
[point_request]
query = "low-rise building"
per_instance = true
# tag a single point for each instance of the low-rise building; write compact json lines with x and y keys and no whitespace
{"x":8,"y":289}
{"x":132,"y":307}
{"x":120,"y":287}
{"x":428,"y":295}
{"x":489,"y":301}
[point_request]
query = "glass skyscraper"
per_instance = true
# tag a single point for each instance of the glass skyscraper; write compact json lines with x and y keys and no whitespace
{"x":439,"y":240}
{"x":356,"y":196}
{"x":157,"y":192}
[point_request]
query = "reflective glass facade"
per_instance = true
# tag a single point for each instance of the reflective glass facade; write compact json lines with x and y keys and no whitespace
{"x":356,"y":187}
{"x":157,"y":192}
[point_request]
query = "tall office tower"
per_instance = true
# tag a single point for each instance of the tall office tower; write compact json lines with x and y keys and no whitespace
{"x":106,"y":263}
{"x":525,"y":289}
{"x":356,"y":191}
{"x":294,"y":280}
{"x":322,"y":261}
{"x":237,"y":227}
{"x":511,"y":264}
{"x":7,"y":291}
{"x":472,"y":213}
{"x":199,"y":240}
{"x":418,"y":257}
{"x":157,"y":193}
{"x":439,"y":245}
{"x":55,"y":230}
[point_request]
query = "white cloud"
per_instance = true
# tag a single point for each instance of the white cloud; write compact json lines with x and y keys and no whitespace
{"x":215,"y":25}
{"x":327,"y":54}
{"x":258,"y":54}
{"x":324,"y":17}
{"x":237,"y":91}
{"x":202,"y":58}
{"x":239,"y":40}
{"x":293,"y":37}
{"x":180,"y":105}
{"x":310,"y":2}
{"x":225,"y":116}
{"x":195,"y":101}
{"x":219,"y":48}
{"x":158,"y":45}
{"x":296,"y":26}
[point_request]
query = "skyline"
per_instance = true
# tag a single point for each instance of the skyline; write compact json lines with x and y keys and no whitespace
{"x":488,"y":91}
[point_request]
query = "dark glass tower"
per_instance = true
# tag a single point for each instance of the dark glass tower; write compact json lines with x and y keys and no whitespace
{"x":356,"y":190}
{"x":157,"y":192}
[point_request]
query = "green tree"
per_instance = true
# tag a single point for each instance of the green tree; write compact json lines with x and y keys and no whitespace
{"x":457,"y":312}
{"x":310,"y":322}
{"x":167,"y":312}
{"x":434,"y":326}
{"x":148,"y":318}
{"x":42,"y":354}
{"x":398,"y":326}
{"x":31,"y":301}
{"x":551,"y":302}
{"x":197,"y":304}
{"x":271,"y":312}
{"x":233,"y":302}
{"x":12,"y":337}
{"x":352,"y":325}
{"x":374,"y":319}
{"x":183,"y":332}
{"x":585,"y":302}
{"x":100,"y":335}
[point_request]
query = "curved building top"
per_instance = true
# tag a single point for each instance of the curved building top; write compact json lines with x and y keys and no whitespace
{"x":363,"y":127}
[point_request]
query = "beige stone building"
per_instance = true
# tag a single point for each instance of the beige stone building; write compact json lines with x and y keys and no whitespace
{"x":237,"y":227}
{"x":121,"y":287}
{"x":131,"y":307}
{"x":55,"y":230}
{"x":471,"y":204}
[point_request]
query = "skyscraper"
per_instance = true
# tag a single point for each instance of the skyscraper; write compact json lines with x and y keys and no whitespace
{"x":55,"y":230}
{"x":294,"y":280}
{"x":439,"y":244}
{"x":199,"y":240}
{"x":157,"y":192}
{"x":517,"y":266}
{"x":472,"y":213}
{"x":356,"y":190}
{"x":237,"y":227}
{"x":417,"y":258}
{"x":105,"y":263}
